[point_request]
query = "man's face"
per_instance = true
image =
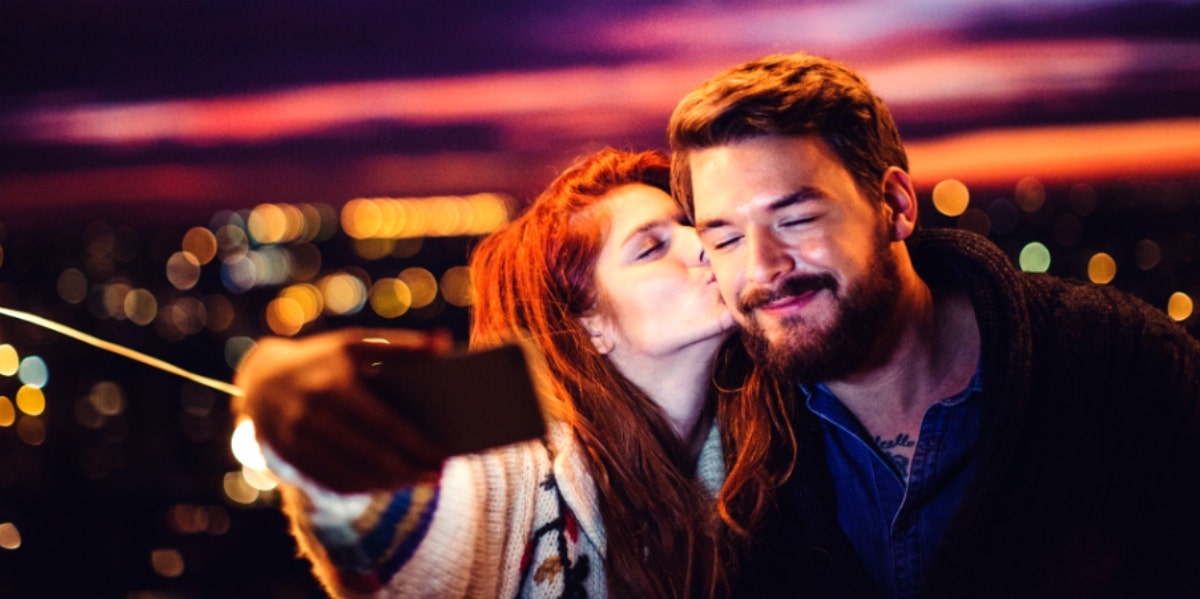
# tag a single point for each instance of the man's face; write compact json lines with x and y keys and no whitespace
{"x":800,"y":254}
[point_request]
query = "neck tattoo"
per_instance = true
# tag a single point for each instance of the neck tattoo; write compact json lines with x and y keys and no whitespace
{"x":896,"y":450}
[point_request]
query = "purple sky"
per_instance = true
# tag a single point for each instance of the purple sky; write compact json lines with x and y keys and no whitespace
{"x":172,"y":109}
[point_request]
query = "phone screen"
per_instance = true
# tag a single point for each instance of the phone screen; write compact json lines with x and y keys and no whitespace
{"x":465,"y":402}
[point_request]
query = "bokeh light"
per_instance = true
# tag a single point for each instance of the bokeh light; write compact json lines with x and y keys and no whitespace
{"x":201,"y":244}
{"x":33,"y":372}
{"x":422,"y":284}
{"x":456,"y":286}
{"x":10,"y":362}
{"x":31,"y":400}
{"x":307,"y":297}
{"x":140,"y":306}
{"x":10,"y":536}
{"x":72,"y":285}
{"x":232,"y":242}
{"x":112,"y":299}
{"x":237,"y":489}
{"x":8,"y":412}
{"x":239,"y":275}
{"x":361,"y":218}
{"x":107,"y":398}
{"x":285,"y":316}
{"x":1146,"y":254}
{"x":1180,"y":306}
{"x":186,"y":315}
{"x":374,"y":248}
{"x":343,"y":293}
{"x":1030,"y":195}
{"x":441,"y":216}
{"x":1034,"y":257}
{"x":236,"y":348}
{"x":245,"y":446}
{"x":390,"y":298}
{"x":184,"y":518}
{"x":1102,"y":269}
{"x":268,"y":223}
{"x":183,"y":270}
{"x":261,"y":480}
{"x":167,"y":563}
{"x":951,"y":197}
{"x":31,"y":430}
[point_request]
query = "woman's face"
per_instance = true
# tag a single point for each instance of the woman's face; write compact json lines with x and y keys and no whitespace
{"x":658,"y":296}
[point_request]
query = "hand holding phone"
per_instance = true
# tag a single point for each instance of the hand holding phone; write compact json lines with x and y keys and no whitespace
{"x":464,"y":402}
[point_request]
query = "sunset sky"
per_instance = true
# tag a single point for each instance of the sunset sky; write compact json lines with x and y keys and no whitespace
{"x":175,"y":108}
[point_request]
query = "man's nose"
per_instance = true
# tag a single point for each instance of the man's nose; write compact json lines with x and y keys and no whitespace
{"x":766,"y":258}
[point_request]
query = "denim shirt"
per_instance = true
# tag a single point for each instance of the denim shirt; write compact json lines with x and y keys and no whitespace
{"x":894,"y":524}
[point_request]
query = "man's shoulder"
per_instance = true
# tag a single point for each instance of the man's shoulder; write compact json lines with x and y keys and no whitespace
{"x":1102,"y":318}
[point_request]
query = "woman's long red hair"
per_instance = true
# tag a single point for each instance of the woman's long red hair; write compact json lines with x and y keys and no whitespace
{"x":534,"y":278}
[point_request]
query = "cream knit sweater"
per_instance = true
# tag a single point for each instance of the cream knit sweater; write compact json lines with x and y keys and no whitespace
{"x":517,"y":521}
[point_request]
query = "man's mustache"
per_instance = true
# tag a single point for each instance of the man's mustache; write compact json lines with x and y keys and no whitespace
{"x":789,"y":287}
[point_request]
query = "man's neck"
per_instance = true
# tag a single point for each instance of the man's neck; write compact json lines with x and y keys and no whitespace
{"x":930,"y":353}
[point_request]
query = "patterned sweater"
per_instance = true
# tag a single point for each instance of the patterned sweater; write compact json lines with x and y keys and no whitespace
{"x":517,"y":521}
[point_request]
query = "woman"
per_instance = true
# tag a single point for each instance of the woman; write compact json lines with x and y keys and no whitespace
{"x":626,"y":495}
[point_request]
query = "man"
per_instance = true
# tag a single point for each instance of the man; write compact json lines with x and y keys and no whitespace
{"x":965,"y":429}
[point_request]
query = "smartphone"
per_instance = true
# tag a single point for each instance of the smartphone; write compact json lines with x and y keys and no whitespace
{"x":466,"y":401}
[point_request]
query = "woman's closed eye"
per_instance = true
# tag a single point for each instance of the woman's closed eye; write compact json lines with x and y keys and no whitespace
{"x":650,"y":247}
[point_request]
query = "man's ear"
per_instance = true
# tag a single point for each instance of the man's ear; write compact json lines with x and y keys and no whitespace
{"x":599,"y":330}
{"x":900,"y":198}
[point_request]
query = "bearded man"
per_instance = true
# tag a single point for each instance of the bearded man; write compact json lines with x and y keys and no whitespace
{"x":965,"y":429}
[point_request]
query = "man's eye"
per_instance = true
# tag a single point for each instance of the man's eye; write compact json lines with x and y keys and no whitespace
{"x":725,"y":242}
{"x":793,"y":222}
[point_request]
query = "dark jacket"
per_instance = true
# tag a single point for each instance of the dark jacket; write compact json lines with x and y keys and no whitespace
{"x":1088,"y":481}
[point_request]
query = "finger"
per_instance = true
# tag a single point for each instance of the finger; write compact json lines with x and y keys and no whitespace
{"x":336,"y":452}
{"x":404,"y":338}
{"x":345,"y":474}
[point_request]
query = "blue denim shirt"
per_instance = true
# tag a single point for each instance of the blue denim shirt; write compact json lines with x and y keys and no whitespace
{"x":896,"y":524}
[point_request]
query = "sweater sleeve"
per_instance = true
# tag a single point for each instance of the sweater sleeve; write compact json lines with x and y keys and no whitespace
{"x":466,"y":536}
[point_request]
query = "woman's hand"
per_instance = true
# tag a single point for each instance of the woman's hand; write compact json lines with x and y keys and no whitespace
{"x":309,"y":403}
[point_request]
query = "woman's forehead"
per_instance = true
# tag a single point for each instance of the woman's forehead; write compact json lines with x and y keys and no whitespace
{"x":630,"y":207}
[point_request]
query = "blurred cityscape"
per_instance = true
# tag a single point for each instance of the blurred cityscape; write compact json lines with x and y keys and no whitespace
{"x":183,"y":178}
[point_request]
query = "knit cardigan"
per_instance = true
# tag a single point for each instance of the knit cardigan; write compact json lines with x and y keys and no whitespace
{"x":518,"y":521}
{"x":1088,"y":478}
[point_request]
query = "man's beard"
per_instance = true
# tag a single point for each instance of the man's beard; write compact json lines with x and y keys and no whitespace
{"x":808,"y":355}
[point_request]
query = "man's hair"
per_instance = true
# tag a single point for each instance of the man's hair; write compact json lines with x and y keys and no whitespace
{"x":787,"y":94}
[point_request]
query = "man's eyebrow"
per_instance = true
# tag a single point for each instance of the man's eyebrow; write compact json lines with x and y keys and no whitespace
{"x":804,"y":194}
{"x":713,"y":223}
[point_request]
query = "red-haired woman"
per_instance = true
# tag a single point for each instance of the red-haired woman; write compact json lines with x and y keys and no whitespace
{"x":635,"y":490}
